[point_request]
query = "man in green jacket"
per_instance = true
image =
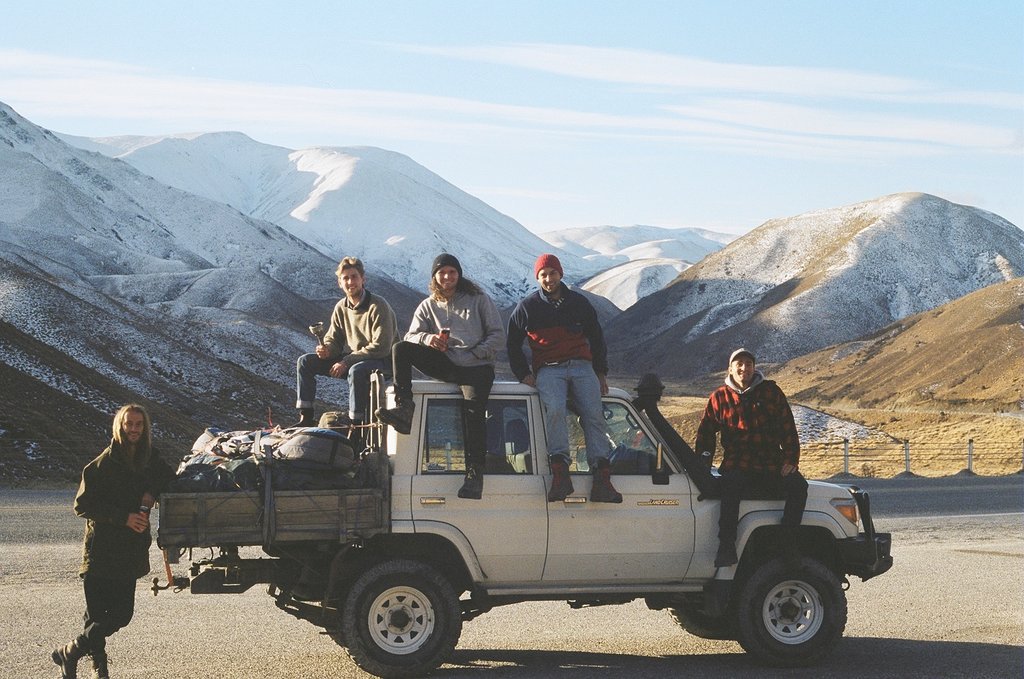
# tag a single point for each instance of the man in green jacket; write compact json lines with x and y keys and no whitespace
{"x":363,"y":328}
{"x":117,"y":491}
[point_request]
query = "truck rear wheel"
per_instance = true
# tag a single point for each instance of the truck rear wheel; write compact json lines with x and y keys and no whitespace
{"x":401,"y":618}
{"x":791,"y":612}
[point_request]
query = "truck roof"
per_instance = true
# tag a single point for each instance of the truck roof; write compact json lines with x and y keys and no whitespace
{"x":501,"y":387}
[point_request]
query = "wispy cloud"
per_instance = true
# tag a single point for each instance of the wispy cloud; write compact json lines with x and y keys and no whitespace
{"x":823,"y":122}
{"x":654,"y":69}
{"x":758,"y":122}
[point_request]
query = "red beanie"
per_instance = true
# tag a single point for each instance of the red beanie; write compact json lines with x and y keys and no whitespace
{"x":547,"y":261}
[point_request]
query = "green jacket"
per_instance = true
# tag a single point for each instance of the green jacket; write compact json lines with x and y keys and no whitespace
{"x":362,"y":333}
{"x":110,"y":490}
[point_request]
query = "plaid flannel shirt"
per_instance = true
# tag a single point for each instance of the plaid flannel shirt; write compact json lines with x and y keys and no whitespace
{"x":757,"y":429}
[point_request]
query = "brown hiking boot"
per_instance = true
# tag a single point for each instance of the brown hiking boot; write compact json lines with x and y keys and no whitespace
{"x":561,"y":483}
{"x":66,"y":657}
{"x":399,"y":417}
{"x":603,"y":490}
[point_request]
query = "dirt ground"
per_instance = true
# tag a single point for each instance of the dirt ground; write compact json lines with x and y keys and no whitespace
{"x":938,"y":441}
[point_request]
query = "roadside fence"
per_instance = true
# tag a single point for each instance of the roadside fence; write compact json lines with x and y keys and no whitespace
{"x":884,"y":459}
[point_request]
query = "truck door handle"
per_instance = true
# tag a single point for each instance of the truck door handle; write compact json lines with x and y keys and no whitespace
{"x":432,"y":500}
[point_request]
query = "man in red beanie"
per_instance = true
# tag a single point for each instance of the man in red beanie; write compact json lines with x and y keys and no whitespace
{"x":569,"y":359}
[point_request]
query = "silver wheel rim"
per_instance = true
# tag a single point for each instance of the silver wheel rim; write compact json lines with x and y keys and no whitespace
{"x":792,"y":612}
{"x":401,"y":620}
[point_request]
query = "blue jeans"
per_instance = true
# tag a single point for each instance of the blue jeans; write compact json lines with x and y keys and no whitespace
{"x":575,"y":378}
{"x":310,"y":365}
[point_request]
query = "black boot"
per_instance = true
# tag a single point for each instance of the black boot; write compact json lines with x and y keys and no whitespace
{"x":726,"y":553}
{"x":399,"y":417}
{"x":473,"y":487}
{"x":603,"y":490}
{"x":305,"y":418}
{"x":66,"y":657}
{"x":561,"y":483}
{"x":99,"y":665}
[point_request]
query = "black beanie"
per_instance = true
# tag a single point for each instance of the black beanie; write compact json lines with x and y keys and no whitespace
{"x":445,"y":259}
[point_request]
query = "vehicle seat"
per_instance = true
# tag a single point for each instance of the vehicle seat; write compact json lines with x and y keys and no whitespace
{"x":517,"y":441}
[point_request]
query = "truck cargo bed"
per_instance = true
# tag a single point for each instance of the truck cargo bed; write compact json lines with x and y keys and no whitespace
{"x":244,"y":518}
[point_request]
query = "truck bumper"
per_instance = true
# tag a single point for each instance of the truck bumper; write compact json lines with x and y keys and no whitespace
{"x":868,"y":554}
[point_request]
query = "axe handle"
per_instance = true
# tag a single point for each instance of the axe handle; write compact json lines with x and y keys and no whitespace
{"x":167,"y":568}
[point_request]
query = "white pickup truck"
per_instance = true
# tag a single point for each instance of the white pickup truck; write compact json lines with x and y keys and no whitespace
{"x":392,"y":572}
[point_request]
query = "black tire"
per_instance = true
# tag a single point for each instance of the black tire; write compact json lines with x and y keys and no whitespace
{"x":690,"y":616}
{"x":790,"y":612}
{"x":400,"y":618}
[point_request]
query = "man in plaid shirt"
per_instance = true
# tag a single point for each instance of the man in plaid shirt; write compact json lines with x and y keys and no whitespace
{"x":760,"y":447}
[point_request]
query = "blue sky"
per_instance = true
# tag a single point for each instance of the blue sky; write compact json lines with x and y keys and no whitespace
{"x":561,"y":114}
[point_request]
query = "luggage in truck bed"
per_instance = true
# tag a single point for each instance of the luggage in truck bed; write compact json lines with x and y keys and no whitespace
{"x":268,"y":516}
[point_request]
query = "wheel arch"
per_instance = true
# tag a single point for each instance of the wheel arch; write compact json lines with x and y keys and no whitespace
{"x":766,"y":542}
{"x":428,"y":548}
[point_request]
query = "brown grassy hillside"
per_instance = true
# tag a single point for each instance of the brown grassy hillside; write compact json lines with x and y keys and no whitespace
{"x":965,"y":355}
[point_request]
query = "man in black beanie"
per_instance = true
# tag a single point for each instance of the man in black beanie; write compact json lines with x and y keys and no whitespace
{"x":454,"y":336}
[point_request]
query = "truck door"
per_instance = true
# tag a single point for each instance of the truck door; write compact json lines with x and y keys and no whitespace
{"x":507,"y":527}
{"x":649,"y":537}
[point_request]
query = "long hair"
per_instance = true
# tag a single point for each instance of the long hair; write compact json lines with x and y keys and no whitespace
{"x":463,"y":285}
{"x":145,"y":444}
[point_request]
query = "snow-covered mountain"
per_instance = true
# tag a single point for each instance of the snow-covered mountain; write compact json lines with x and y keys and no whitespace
{"x":146,"y":292}
{"x":195,"y":298}
{"x":636,"y":260}
{"x":798,"y":284}
{"x":375,"y":204}
{"x":611,"y":245}
{"x":627,"y":283}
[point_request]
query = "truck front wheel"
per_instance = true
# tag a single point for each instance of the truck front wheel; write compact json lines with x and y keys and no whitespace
{"x":401,"y":618}
{"x":791,"y":612}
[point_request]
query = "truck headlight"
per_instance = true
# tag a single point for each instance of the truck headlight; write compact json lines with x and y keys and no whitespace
{"x":846,"y":506}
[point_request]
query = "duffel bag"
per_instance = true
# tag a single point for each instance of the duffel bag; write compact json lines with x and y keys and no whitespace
{"x":316,"y":446}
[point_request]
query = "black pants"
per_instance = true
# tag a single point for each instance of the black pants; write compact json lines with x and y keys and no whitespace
{"x":109,"y":606}
{"x":736,"y":485}
{"x":475,"y":382}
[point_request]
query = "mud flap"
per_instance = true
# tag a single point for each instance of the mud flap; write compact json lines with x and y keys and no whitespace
{"x":716,"y":597}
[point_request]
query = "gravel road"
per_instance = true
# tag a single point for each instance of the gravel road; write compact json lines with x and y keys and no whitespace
{"x":951,"y":606}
